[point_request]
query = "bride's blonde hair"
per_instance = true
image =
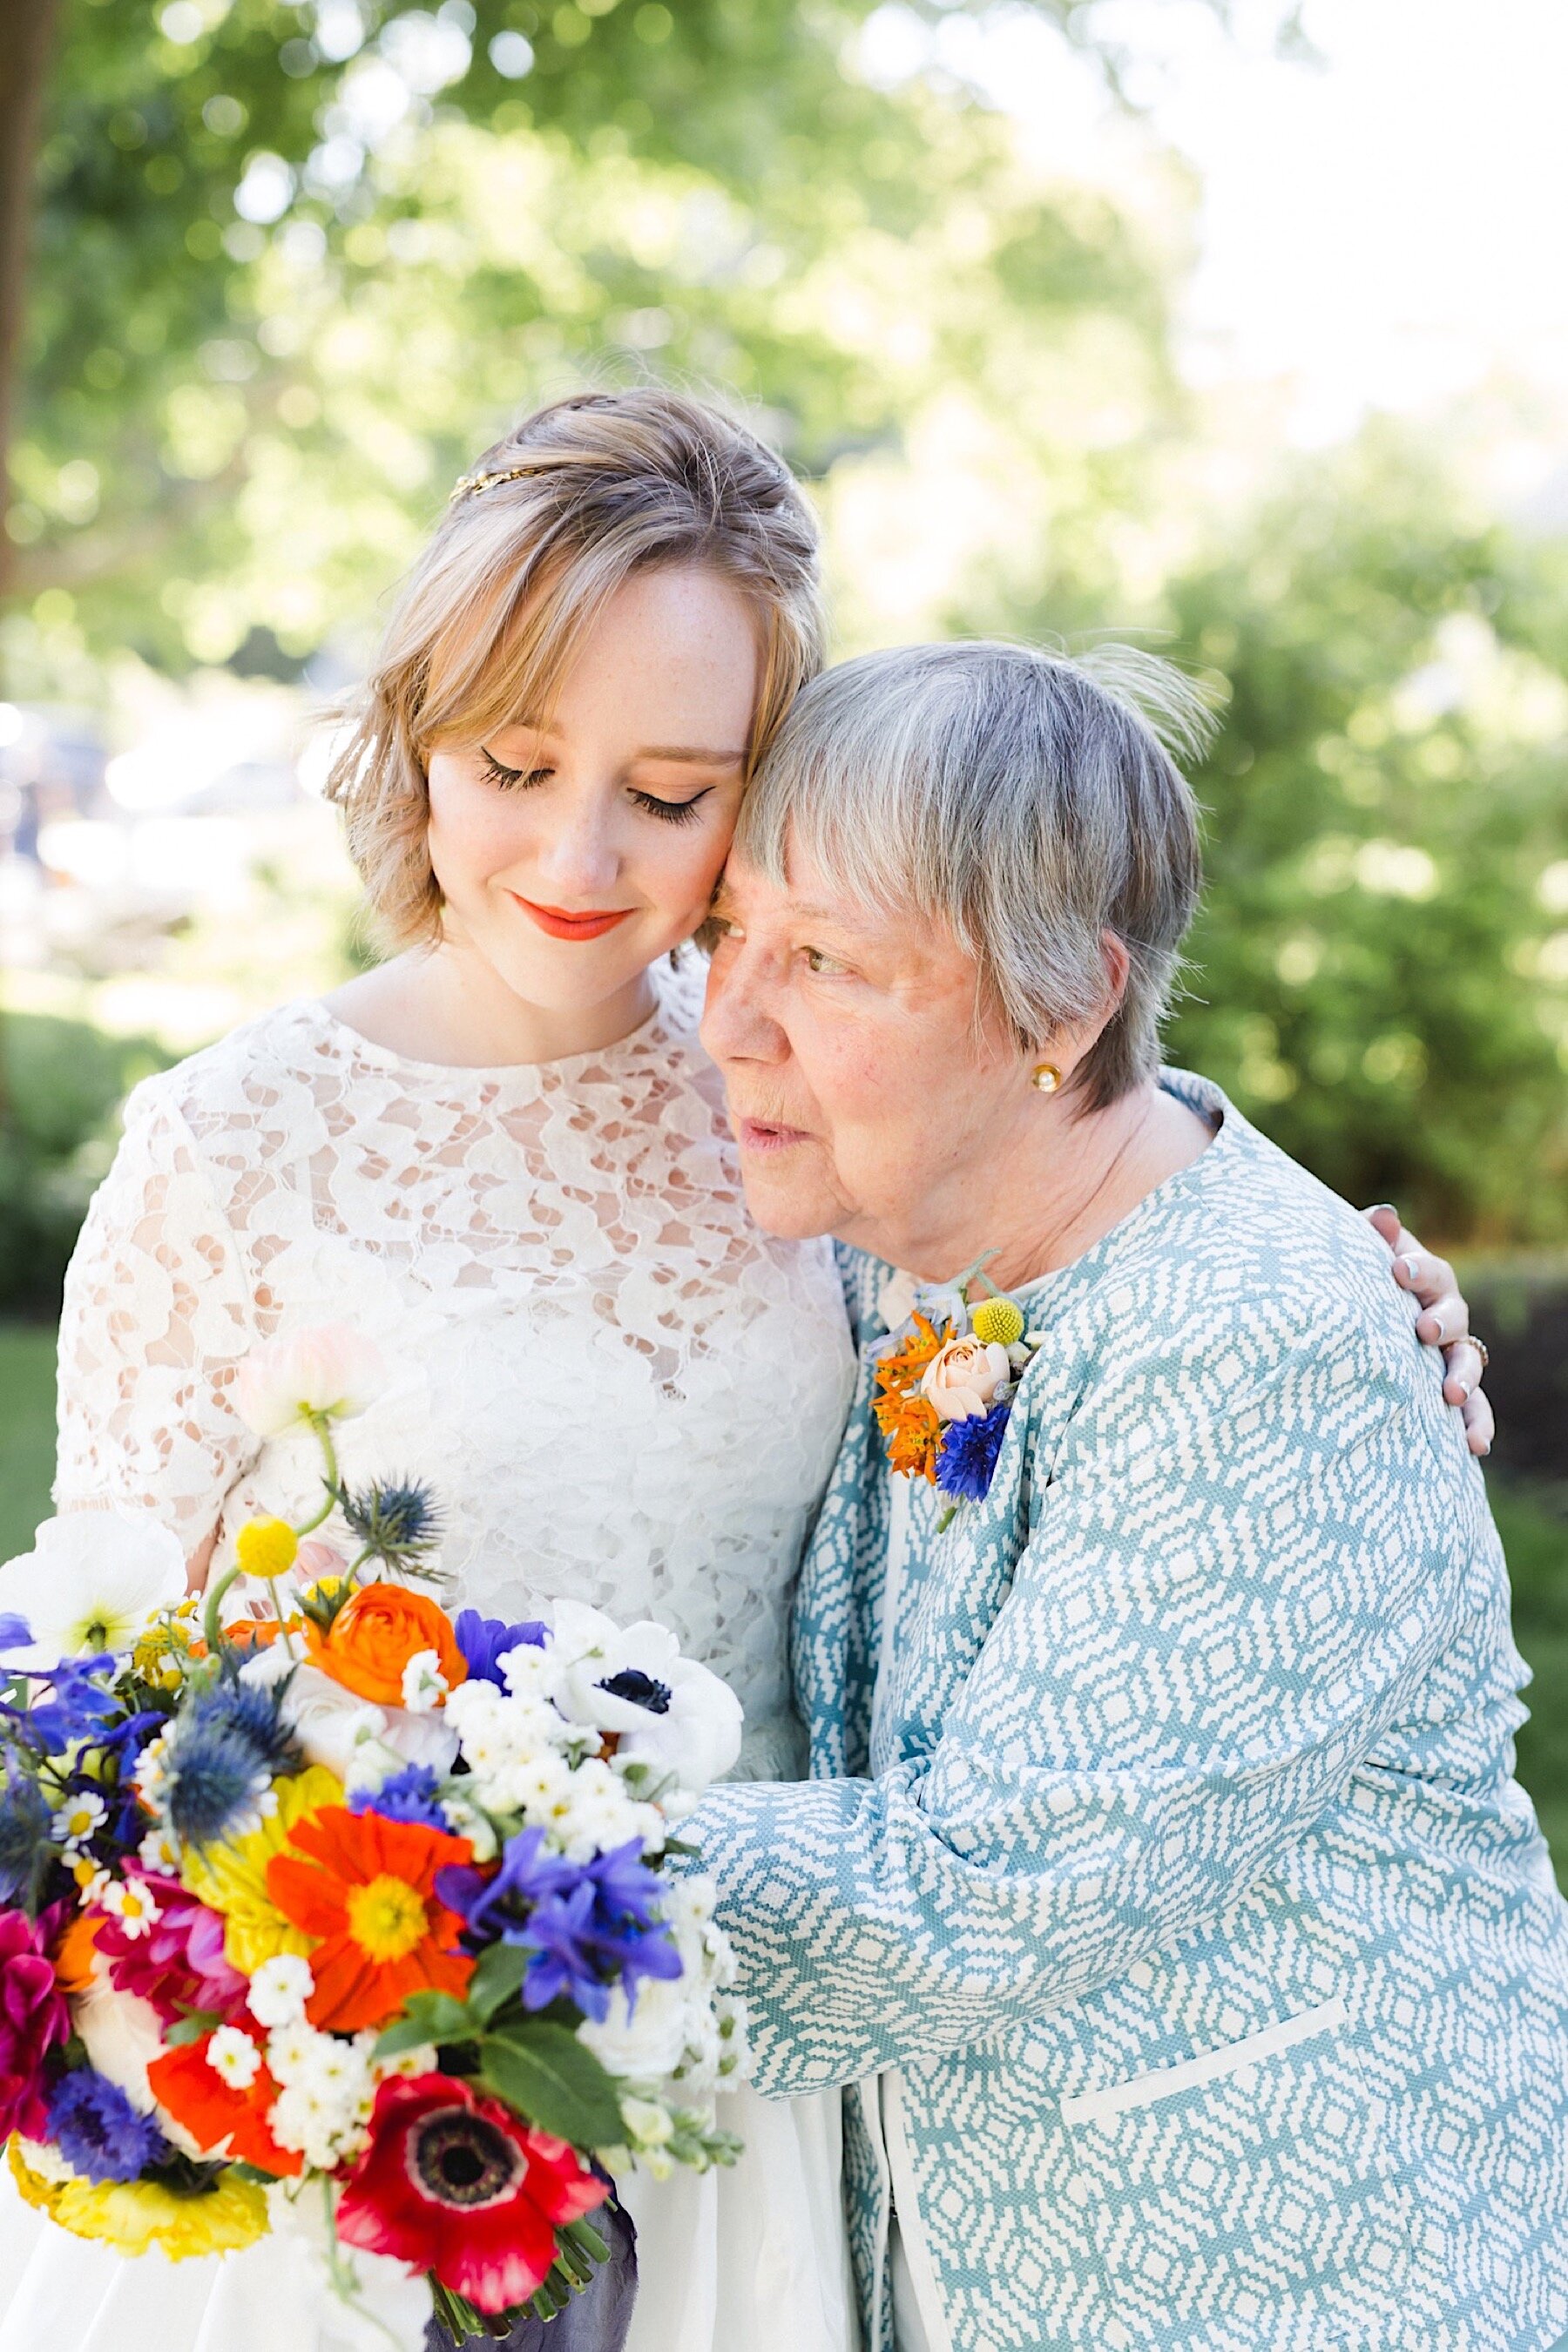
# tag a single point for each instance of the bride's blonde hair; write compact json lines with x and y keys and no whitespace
{"x":550,"y":523}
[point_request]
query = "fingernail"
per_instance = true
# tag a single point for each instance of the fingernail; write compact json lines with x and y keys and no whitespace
{"x":1439,"y":1331}
{"x":1412,"y":1266}
{"x":1465,"y":1392}
{"x":1383,"y":1208}
{"x":1487,"y":1446}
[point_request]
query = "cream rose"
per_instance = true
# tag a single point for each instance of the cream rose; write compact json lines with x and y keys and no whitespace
{"x":964,"y":1377}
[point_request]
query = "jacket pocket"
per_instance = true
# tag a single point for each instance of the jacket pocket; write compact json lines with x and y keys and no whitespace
{"x":1249,"y":2185}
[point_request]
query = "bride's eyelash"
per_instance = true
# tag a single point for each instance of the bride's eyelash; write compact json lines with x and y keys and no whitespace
{"x":507,"y":779}
{"x":669,"y":812}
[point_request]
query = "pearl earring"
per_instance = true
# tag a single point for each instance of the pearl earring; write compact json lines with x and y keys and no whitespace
{"x":1045,"y":1077}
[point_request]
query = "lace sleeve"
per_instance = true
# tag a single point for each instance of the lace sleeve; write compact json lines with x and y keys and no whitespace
{"x":157,"y":1315}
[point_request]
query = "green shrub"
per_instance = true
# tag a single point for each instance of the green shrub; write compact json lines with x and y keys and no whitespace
{"x":64,"y":1085}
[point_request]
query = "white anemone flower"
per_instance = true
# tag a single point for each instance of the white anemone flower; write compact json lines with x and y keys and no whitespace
{"x":328,"y":1369}
{"x":91,"y":1583}
{"x":666,"y":1711}
{"x":644,"y":2040}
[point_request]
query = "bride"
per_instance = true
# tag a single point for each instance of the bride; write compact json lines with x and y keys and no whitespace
{"x":503,"y":1157}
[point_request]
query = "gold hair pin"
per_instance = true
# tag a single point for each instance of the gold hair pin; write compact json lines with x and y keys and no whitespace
{"x":472,"y":482}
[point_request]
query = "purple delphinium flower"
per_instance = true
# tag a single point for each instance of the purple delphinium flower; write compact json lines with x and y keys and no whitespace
{"x":966,"y":1458}
{"x":99,"y":2132}
{"x":15,"y":1634}
{"x":628,"y":1891}
{"x":405,"y":1795}
{"x":567,"y":1953}
{"x":501,"y":1908}
{"x":485,"y":1641}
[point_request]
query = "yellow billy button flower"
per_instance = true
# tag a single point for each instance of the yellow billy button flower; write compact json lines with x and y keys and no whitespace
{"x":265,"y":1549}
{"x":997,"y":1322}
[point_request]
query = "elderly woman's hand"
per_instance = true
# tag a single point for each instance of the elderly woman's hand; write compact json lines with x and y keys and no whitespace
{"x":1444,"y":1321}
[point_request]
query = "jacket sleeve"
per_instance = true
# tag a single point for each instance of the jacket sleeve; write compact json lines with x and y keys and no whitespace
{"x":1228,"y":1596}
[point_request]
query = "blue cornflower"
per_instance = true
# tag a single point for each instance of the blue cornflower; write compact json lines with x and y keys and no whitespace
{"x":26,"y":1827}
{"x":966,"y":1458}
{"x":405,"y":1795}
{"x":502,"y":1907}
{"x":98,"y":2130}
{"x":228,"y":1745}
{"x":15,"y":1634}
{"x":485,"y":1641}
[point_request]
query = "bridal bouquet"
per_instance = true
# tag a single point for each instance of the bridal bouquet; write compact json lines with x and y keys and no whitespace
{"x":346,"y":1902}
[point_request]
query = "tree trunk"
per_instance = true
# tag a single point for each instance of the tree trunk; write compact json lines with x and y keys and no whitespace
{"x":29,"y":45}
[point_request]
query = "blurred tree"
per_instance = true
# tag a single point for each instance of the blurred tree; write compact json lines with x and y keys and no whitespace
{"x":292,"y":261}
{"x":1379,"y":975}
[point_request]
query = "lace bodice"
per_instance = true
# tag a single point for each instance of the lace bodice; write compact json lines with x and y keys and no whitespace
{"x":622,"y":1389}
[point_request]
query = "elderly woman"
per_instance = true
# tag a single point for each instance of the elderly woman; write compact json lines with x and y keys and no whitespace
{"x":1161,"y":1888}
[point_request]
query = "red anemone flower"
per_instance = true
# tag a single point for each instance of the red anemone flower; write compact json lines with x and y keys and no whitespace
{"x":453,"y":2183}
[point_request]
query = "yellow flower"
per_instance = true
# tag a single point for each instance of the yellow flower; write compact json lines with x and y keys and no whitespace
{"x":135,"y":2216}
{"x":35,"y":2187}
{"x":998,"y":1321}
{"x":265,"y":1549}
{"x":233,"y":1878}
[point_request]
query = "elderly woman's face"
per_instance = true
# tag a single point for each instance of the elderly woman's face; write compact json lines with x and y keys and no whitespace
{"x":863,"y":1089}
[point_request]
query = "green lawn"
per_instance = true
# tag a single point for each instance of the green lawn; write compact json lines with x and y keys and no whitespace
{"x":1536,"y":1540}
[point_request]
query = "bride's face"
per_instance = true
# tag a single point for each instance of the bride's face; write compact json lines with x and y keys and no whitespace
{"x":573,"y":848}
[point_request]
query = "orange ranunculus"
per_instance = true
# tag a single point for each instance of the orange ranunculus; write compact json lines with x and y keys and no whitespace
{"x":372,"y":1637}
{"x":74,"y":1953}
{"x":366,"y":1887}
{"x":220,"y":2117}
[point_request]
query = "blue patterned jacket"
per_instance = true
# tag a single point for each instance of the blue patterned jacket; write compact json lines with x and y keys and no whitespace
{"x":1187,"y":1885}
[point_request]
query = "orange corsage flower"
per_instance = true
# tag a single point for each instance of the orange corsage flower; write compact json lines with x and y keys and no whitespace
{"x":219,"y":2115}
{"x":365,"y":1887}
{"x":912,"y":1425}
{"x":373,"y":1636}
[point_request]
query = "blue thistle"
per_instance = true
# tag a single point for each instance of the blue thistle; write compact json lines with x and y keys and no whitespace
{"x":395,"y":1519}
{"x":966,"y":1458}
{"x":24,"y":1833}
{"x":229,"y":1744}
{"x":98,"y":2130}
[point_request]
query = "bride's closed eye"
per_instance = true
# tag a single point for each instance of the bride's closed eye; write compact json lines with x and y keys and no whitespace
{"x":506,"y":779}
{"x":669,"y":812}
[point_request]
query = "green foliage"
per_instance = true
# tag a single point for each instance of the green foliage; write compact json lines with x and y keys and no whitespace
{"x":544,"y":2072}
{"x":295,"y":263}
{"x":26,"y":1432}
{"x":64,"y":1086}
{"x":1379,"y":976}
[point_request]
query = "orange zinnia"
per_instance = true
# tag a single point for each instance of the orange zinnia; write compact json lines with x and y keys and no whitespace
{"x":373,"y":1636}
{"x":365,"y":1887}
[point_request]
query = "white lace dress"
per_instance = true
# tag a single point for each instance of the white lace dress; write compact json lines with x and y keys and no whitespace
{"x":623,"y":1390}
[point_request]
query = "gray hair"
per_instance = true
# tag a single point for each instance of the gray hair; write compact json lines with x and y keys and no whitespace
{"x":1026,"y":801}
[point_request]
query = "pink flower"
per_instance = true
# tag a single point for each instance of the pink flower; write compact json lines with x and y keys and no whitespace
{"x":178,"y":1963}
{"x":962,"y":1378}
{"x":329,"y":1370}
{"x":33,"y":2020}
